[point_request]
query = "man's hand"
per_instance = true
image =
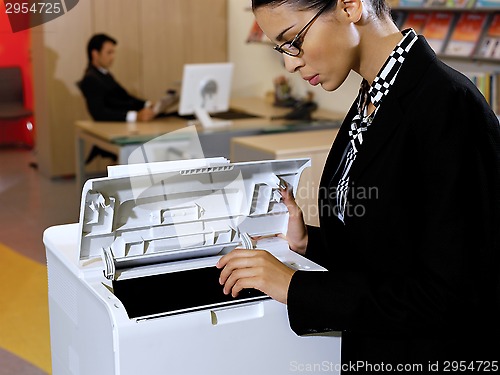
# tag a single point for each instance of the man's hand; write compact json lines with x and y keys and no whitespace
{"x":145,"y":114}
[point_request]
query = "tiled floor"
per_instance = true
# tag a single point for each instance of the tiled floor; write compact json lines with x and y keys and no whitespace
{"x":30,"y":202}
{"x":24,"y":315}
{"x":12,"y":365}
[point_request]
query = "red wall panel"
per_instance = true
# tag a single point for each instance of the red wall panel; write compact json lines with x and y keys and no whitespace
{"x":15,"y":51}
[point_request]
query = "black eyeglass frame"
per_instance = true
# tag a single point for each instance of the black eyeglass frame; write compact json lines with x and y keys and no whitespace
{"x":280,"y":49}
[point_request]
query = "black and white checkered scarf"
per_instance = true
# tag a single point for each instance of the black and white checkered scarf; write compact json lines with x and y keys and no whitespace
{"x":361,"y":121}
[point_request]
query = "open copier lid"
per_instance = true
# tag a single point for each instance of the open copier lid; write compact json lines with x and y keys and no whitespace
{"x":169,"y":222}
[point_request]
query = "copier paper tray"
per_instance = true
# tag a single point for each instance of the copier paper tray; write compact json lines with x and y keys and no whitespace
{"x":177,"y":292}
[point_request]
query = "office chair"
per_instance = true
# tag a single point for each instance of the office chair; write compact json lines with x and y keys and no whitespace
{"x":13,"y":112}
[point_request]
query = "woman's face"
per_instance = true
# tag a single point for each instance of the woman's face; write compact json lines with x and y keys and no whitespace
{"x":329,"y":46}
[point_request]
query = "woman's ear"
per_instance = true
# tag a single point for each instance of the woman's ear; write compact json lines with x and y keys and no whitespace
{"x":353,"y":9}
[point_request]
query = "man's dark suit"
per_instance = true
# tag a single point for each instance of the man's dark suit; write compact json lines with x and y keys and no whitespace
{"x":106,"y":99}
{"x":414,"y":274}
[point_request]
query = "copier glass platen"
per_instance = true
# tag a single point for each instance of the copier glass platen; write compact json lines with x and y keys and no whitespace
{"x":133,"y":287}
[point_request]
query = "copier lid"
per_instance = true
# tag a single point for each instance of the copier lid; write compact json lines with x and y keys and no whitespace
{"x":156,"y":212}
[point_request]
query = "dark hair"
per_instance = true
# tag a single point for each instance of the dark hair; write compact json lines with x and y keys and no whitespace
{"x":96,"y":43}
{"x":380,"y":6}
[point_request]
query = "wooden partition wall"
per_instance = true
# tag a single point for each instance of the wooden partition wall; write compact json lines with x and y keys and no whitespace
{"x":155,"y":39}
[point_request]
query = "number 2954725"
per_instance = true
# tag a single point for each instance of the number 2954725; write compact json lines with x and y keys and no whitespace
{"x":35,"y":8}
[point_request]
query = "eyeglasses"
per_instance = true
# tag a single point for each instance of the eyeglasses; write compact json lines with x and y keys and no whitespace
{"x":292,"y":48}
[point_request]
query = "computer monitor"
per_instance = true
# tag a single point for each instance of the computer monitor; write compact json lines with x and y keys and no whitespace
{"x":206,"y":89}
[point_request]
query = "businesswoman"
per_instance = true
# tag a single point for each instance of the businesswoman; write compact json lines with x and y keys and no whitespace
{"x":413,"y":273}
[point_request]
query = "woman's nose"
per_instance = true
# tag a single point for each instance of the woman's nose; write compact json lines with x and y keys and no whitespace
{"x":292,"y":63}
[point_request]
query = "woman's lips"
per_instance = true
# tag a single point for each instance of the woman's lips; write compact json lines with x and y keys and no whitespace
{"x":313,"y":80}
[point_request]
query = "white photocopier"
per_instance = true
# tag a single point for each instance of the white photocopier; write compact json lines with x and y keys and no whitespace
{"x":133,"y":287}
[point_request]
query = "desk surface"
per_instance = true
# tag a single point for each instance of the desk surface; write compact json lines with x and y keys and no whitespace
{"x":289,"y":143}
{"x":123,"y":133}
{"x":261,"y":107}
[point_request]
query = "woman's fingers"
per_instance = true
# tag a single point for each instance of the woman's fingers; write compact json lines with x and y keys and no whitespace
{"x":236,"y":259}
{"x":257,"y":269}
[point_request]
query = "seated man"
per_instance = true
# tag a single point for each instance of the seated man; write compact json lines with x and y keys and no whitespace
{"x":106,"y":99}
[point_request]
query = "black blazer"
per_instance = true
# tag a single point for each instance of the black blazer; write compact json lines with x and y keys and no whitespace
{"x":106,"y":99}
{"x":415,"y":270}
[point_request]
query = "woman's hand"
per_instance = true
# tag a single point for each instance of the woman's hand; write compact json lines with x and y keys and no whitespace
{"x":297,"y":231}
{"x":258,"y":269}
